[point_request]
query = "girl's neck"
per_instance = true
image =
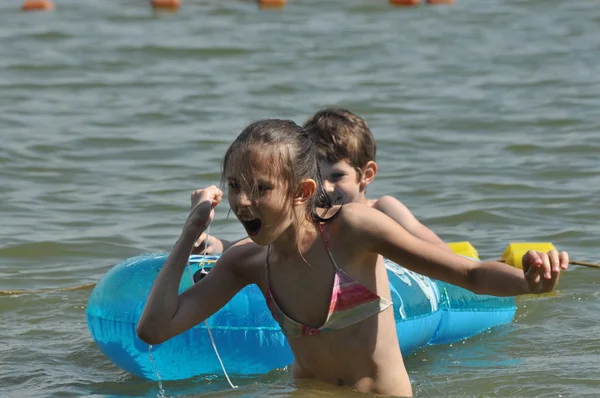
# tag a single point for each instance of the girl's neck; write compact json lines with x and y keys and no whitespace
{"x":297,"y":239}
{"x":362,"y":199}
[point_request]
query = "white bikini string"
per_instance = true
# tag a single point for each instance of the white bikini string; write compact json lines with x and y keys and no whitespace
{"x":212,"y":340}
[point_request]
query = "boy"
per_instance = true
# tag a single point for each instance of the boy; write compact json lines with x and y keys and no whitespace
{"x":346,"y":150}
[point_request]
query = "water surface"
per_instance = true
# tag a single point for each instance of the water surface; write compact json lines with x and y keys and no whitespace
{"x":484,"y":113}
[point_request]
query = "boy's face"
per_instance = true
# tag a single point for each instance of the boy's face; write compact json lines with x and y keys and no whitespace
{"x":342,"y":182}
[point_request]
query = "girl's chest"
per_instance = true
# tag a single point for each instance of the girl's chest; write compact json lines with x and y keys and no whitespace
{"x":303,"y":296}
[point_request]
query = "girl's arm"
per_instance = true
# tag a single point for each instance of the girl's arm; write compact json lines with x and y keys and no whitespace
{"x":384,"y":236}
{"x":167,"y":313}
{"x":403,"y":216}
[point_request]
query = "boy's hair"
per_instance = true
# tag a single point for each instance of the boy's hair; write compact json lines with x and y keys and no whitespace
{"x":341,"y":135}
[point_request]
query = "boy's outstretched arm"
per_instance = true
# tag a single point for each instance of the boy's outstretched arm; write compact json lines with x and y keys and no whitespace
{"x":394,"y":209}
{"x":214,"y":245}
{"x":209,"y":244}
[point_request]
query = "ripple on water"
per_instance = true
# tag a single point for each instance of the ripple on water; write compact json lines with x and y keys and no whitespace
{"x":485,"y":119}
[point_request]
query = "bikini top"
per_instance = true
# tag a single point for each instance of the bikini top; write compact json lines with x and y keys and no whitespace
{"x":350,"y":303}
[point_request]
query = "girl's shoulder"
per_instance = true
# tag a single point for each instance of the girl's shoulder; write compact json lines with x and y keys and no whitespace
{"x":355,"y":214}
{"x":344,"y":211}
{"x":350,"y":218}
{"x":246,"y":259}
{"x":357,"y":222}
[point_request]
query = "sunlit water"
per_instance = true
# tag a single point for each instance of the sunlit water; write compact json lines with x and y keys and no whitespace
{"x":485,"y":115}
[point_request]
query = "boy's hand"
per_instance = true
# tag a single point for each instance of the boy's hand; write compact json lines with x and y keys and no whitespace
{"x":211,"y":245}
{"x":200,"y":214}
{"x":543,"y":269}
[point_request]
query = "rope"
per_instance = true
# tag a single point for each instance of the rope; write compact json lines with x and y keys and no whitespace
{"x":212,"y":340}
{"x":50,"y":290}
{"x":571,"y":262}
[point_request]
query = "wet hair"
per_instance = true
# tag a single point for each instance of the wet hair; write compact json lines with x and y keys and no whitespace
{"x":342,"y":135}
{"x":290,"y":153}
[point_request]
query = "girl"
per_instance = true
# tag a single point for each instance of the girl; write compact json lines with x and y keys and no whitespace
{"x":319,"y":269}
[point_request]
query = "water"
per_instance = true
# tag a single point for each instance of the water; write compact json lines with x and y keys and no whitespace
{"x":161,"y":390}
{"x":485,"y":114}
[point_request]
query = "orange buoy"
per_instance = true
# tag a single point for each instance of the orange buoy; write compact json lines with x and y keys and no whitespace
{"x":38,"y":5}
{"x":440,"y":1}
{"x":272,"y":3}
{"x":405,"y":2}
{"x":166,"y":4}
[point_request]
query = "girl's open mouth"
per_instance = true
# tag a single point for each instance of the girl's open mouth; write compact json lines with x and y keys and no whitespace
{"x":252,"y":226}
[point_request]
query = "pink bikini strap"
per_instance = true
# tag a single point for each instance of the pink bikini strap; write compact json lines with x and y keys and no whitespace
{"x":326,"y":243}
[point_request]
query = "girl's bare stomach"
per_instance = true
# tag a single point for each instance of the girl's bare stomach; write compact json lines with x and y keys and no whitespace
{"x":344,"y":358}
{"x":386,"y":383}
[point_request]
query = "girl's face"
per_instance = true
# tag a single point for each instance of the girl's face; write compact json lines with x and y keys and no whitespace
{"x":260,"y":200}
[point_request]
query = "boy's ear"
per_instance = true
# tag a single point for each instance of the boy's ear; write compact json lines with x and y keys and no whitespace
{"x":368,"y":173}
{"x":306,"y":190}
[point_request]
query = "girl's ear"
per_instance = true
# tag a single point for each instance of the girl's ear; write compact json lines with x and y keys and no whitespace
{"x":306,"y":190}
{"x":368,"y":173}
